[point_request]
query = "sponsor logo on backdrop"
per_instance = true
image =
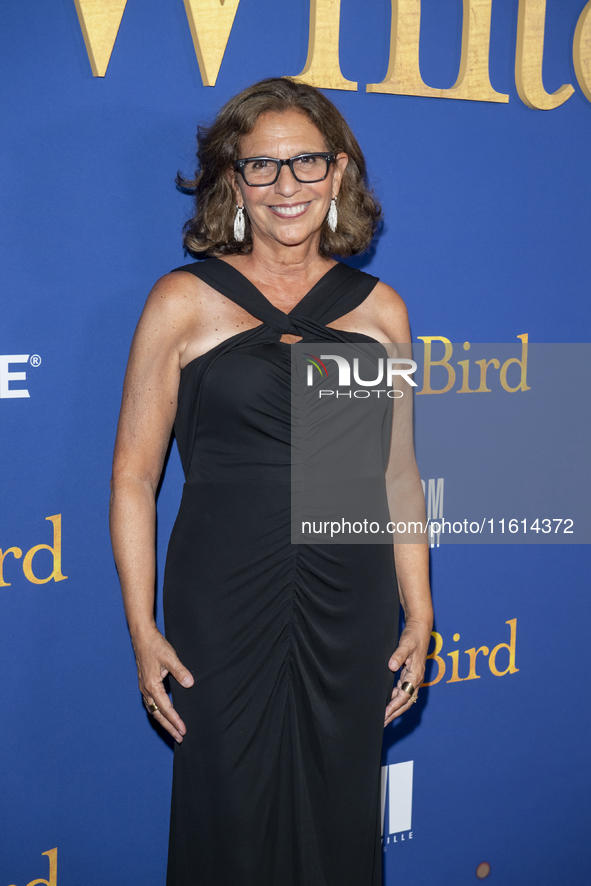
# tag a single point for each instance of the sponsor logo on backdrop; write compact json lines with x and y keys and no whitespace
{"x":10,"y":380}
{"x":500,"y":662}
{"x":396,"y":799}
{"x":433,"y":492}
{"x":10,"y":557}
{"x":483,"y":376}
{"x":52,"y":855}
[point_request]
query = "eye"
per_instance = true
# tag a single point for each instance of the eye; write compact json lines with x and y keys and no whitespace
{"x":308,"y":160}
{"x":260,"y":165}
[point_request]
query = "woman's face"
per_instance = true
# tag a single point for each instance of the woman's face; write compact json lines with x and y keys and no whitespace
{"x":289,"y":212}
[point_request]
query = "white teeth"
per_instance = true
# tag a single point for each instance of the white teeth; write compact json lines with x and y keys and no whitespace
{"x":290,"y":210}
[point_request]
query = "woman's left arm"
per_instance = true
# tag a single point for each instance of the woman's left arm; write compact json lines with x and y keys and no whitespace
{"x":411,"y":559}
{"x":412,"y":571}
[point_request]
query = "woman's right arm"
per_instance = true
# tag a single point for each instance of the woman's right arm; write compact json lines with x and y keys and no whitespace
{"x":145,"y":424}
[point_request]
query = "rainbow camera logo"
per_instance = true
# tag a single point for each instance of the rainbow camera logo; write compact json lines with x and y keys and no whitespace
{"x":315,"y":362}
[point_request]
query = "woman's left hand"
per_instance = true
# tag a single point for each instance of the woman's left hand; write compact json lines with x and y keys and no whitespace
{"x":412,"y":653}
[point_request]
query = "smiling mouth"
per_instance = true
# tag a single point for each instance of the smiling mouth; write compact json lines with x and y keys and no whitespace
{"x":291,"y":210}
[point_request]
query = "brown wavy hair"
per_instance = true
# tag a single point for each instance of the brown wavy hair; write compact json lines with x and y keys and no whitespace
{"x":210,"y":230}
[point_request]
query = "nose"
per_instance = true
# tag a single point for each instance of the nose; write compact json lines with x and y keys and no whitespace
{"x":287,"y":184}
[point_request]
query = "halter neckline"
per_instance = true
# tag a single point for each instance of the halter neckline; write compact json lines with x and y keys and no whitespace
{"x":337,"y":292}
{"x":245,"y":281}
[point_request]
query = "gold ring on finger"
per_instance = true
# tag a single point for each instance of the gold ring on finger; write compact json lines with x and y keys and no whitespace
{"x":414,"y":699}
{"x":408,"y":687}
{"x":152,"y":707}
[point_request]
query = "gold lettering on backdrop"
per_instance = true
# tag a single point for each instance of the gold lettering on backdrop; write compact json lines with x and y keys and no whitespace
{"x":492,"y":661}
{"x":473,"y":653}
{"x":523,"y":385}
{"x":436,"y":657}
{"x":531,"y":23}
{"x":322,"y":68}
{"x":465,"y":389}
{"x":56,"y":552}
{"x":17,"y":554}
{"x":52,"y":853}
{"x":455,"y":677}
{"x":451,"y":373}
{"x":404,"y":74}
{"x":465,"y":364}
{"x":211,"y":23}
{"x":99,"y":21}
{"x":484,"y":364}
{"x":582,"y":51}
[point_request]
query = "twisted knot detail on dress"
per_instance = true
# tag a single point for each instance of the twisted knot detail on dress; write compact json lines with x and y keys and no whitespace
{"x":337,"y":293}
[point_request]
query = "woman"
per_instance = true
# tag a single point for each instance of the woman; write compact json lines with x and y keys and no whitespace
{"x":281,"y":655}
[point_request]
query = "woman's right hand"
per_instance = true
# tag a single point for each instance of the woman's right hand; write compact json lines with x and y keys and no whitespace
{"x":155,"y":658}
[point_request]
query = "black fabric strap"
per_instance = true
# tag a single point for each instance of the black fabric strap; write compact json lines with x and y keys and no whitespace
{"x":338,"y":292}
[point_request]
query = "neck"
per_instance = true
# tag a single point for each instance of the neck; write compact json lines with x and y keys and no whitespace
{"x":291,"y":264}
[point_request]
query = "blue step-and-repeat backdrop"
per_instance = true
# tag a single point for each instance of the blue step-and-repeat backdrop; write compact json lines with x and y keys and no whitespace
{"x":477,"y":134}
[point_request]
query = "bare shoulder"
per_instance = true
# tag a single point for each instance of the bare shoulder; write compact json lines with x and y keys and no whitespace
{"x":174,"y":296}
{"x":184,"y":315}
{"x":389,"y":313}
{"x":172,"y":312}
{"x":388,"y":299}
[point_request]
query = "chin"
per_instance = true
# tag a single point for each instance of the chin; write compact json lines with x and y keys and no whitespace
{"x":294,"y":236}
{"x":292,"y":241}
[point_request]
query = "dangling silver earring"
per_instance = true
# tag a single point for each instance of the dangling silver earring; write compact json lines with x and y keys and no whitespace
{"x":332,"y":216}
{"x":239,"y":225}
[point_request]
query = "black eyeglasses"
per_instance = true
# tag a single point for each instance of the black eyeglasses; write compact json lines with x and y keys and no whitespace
{"x":258,"y":172}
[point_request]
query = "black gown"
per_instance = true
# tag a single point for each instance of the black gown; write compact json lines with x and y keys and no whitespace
{"x":276,"y":782}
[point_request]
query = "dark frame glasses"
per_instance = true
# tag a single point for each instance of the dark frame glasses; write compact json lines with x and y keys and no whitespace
{"x":240,"y":164}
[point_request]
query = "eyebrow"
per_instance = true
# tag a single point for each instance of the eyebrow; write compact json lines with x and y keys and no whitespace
{"x":298,"y":154}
